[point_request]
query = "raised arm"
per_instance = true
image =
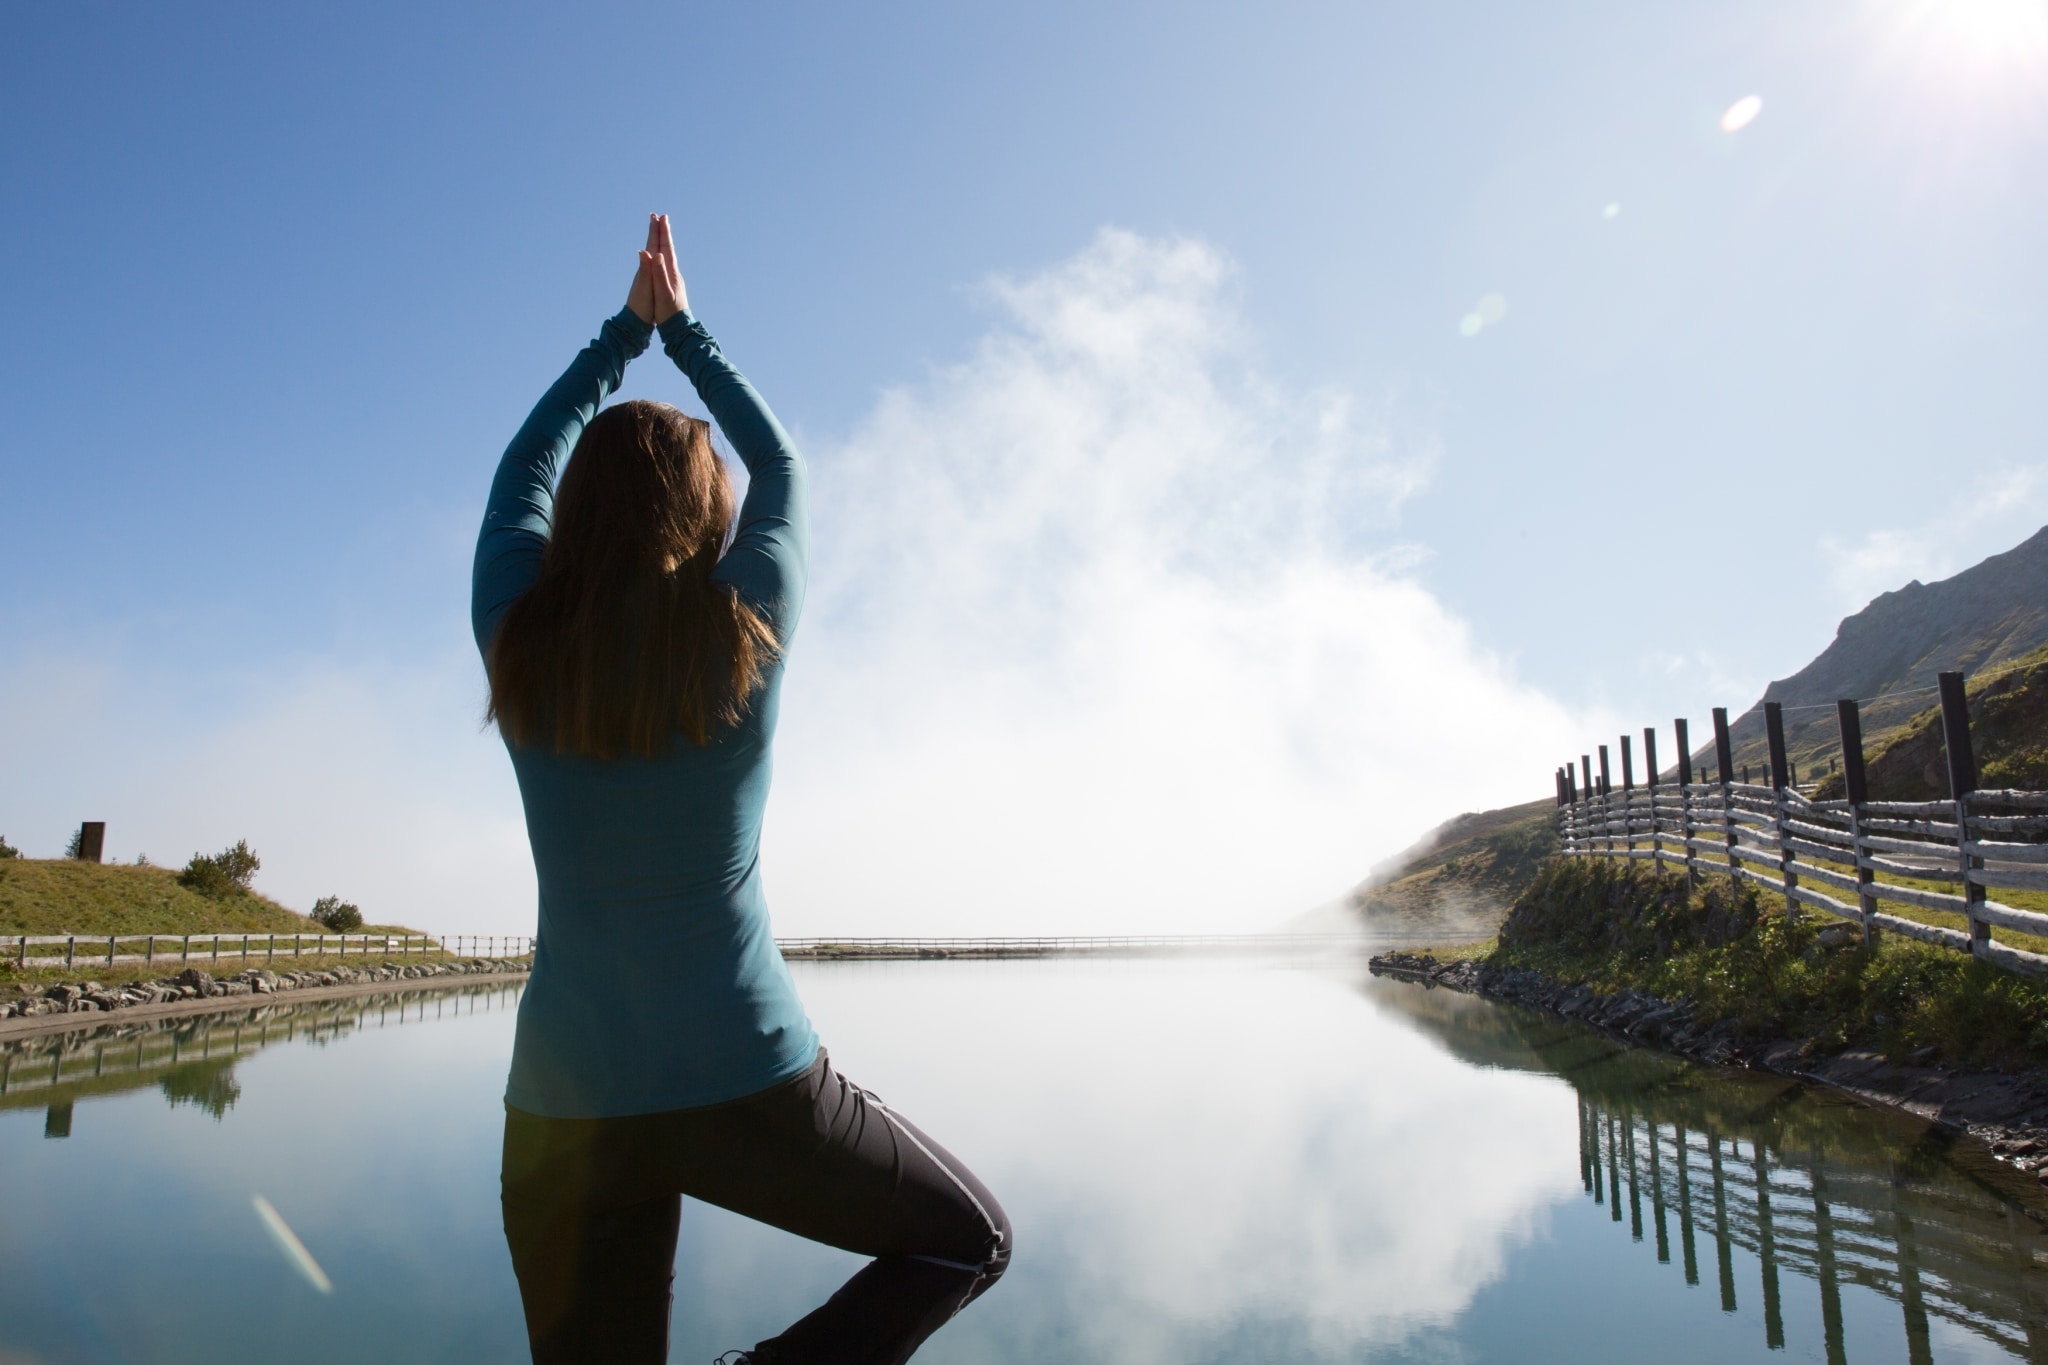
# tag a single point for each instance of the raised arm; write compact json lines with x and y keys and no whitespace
{"x":769,"y":556}
{"x":520,"y":512}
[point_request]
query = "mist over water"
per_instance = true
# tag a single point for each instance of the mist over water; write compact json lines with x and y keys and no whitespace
{"x":1108,"y":634}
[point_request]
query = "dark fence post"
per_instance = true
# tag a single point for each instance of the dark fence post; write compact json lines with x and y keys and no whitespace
{"x":92,"y":840}
{"x":1774,"y":734}
{"x":1962,"y":780}
{"x":1684,"y":739}
{"x":1606,"y":812}
{"x":1724,"y":757}
{"x":1628,"y":796}
{"x":1856,"y":786}
{"x":1774,"y":737}
{"x":1586,"y":795}
{"x":1650,"y":785}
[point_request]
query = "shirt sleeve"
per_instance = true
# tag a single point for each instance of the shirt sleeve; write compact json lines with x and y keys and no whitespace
{"x":769,"y":557}
{"x":520,"y":512}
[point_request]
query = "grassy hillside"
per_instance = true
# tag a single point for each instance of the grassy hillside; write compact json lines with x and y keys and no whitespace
{"x":2008,"y":734}
{"x":62,"y":896}
{"x":1457,"y":884}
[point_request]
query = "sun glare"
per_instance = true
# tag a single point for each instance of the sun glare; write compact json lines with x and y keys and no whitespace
{"x":1987,"y":28}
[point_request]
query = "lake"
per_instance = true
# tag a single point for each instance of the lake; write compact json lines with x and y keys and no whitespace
{"x":1205,"y":1160}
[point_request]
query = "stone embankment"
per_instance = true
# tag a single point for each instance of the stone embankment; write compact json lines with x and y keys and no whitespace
{"x":194,"y":984}
{"x":2008,"y":1112}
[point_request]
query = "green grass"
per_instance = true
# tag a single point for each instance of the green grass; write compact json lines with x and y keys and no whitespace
{"x":1734,"y":956}
{"x":63,"y":896}
{"x":2036,"y":901}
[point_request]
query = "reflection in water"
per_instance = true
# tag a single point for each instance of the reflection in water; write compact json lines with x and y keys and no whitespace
{"x":192,"y":1058}
{"x":1811,"y":1184}
{"x":1206,"y":1162}
{"x":1828,"y":1208}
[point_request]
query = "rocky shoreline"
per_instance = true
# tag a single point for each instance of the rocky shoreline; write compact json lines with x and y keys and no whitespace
{"x":91,"y":997}
{"x":2008,"y":1112}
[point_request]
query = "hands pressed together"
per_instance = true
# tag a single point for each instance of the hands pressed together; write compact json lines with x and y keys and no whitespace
{"x":657,"y":293}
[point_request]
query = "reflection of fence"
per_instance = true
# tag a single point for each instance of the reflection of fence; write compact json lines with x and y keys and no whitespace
{"x":106,"y":949}
{"x":1953,"y":1252}
{"x":57,"y":1069}
{"x":1868,"y":851}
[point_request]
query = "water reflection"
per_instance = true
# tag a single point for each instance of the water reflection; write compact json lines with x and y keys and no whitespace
{"x":1206,"y":1162}
{"x":192,"y":1059}
{"x":1817,"y":1189}
{"x":1827,"y":1211}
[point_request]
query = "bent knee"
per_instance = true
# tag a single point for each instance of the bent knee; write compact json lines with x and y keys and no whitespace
{"x":996,"y":1258}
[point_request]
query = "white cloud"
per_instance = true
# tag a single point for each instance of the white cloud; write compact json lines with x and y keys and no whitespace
{"x":1107,"y":632}
{"x":1100,"y":639}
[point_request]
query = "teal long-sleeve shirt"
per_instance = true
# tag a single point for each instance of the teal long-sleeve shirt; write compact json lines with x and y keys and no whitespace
{"x":656,"y":981}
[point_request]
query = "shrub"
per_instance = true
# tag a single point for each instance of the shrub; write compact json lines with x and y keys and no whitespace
{"x":227,"y":873}
{"x":1736,"y":957}
{"x":8,"y":850}
{"x":332,"y":912}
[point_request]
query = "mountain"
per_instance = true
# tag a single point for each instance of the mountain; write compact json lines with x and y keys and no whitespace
{"x":1887,"y":655}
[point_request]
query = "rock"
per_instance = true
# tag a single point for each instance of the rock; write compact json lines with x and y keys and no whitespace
{"x":1834,"y":936}
{"x":201,"y":983}
{"x":63,"y":994}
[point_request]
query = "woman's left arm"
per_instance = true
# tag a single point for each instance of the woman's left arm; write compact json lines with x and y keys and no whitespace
{"x":520,"y":512}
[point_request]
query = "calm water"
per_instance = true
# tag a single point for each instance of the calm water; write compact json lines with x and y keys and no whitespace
{"x":1205,"y":1162}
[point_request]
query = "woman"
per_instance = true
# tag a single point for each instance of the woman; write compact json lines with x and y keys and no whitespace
{"x":634,"y":641}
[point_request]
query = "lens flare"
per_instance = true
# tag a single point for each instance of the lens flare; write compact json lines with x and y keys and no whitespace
{"x":1742,"y":113}
{"x":1490,"y":309}
{"x":288,"y":1242}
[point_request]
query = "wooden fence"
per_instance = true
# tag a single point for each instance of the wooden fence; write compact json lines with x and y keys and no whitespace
{"x":107,"y":949}
{"x":1871,"y":853}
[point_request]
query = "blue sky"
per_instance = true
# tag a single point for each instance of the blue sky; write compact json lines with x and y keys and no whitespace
{"x":280,"y":280}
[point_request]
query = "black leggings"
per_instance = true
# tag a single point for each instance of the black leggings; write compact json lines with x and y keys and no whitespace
{"x":592,"y":1207}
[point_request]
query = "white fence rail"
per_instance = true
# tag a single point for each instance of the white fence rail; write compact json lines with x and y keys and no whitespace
{"x":183,"y":949}
{"x":1865,"y":852}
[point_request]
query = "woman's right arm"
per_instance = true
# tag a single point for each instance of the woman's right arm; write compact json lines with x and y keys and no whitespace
{"x":768,"y":560}
{"x":520,"y":512}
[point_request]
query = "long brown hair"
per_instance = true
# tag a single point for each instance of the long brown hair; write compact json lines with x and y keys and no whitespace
{"x":624,"y":639}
